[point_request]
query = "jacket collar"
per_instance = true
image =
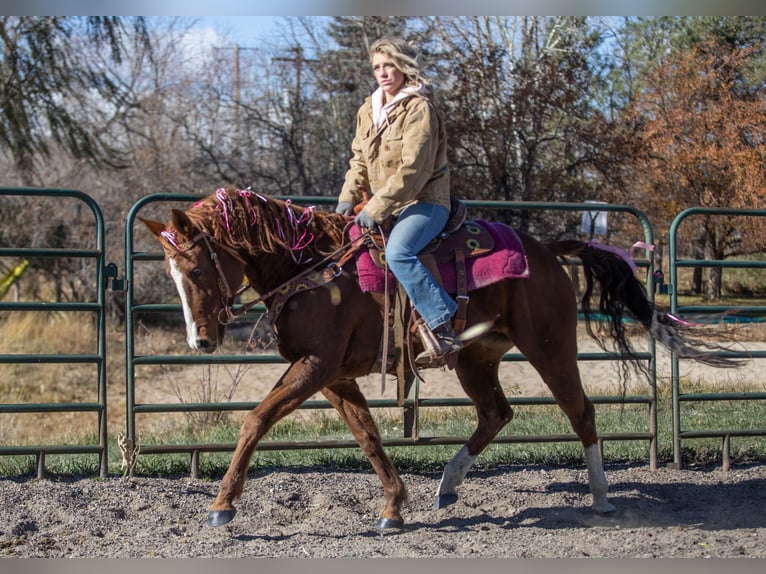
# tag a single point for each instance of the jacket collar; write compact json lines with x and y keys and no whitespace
{"x":382,"y":113}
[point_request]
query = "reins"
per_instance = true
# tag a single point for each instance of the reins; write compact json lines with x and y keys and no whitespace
{"x":334,"y":268}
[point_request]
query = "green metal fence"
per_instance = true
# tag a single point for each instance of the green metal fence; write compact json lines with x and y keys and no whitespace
{"x":412,"y":401}
{"x":682,"y":402}
{"x":96,"y":308}
{"x":409,"y":404}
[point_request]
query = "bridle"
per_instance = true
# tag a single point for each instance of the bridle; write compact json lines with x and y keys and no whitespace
{"x":227,"y":294}
{"x":329,"y":268}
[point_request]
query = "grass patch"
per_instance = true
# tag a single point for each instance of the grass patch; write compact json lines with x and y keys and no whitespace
{"x":22,"y":383}
{"x":453,"y":422}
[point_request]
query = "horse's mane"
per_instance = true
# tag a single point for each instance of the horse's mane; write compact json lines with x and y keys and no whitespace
{"x":260,"y":224}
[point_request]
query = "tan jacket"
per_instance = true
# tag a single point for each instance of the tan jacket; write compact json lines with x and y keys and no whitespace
{"x":403,"y":162}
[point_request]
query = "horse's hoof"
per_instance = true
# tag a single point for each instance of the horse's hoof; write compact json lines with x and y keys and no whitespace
{"x":605,"y":509}
{"x":444,"y":500}
{"x":389,"y":525}
{"x":220,"y":517}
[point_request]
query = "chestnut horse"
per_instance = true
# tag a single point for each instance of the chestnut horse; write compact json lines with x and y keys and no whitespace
{"x":331,"y":335}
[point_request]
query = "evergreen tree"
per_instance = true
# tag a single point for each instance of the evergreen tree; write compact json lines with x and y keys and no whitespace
{"x":42,"y":82}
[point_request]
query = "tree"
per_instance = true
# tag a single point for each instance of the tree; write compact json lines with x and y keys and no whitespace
{"x":702,"y":142}
{"x":524,"y":118}
{"x":42,"y":83}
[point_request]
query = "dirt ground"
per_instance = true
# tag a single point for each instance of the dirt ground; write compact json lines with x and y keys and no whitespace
{"x":513,"y":512}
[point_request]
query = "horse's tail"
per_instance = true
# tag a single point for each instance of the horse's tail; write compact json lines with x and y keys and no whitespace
{"x":620,"y":291}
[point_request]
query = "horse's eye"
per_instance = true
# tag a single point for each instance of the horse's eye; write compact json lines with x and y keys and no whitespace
{"x":196,"y":273}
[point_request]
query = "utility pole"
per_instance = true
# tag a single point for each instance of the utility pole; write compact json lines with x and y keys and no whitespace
{"x":298,"y":60}
{"x":236,"y":91}
{"x":295,"y":131}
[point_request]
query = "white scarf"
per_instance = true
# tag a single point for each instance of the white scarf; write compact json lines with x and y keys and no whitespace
{"x":380,"y":111}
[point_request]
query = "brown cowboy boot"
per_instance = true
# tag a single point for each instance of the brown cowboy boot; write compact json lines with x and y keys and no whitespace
{"x":438,"y":343}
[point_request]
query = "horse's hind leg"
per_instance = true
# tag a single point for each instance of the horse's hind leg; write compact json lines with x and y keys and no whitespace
{"x":558,"y":368}
{"x":543,"y":325}
{"x":571,"y":398}
{"x":478,"y":376}
{"x":350,"y":403}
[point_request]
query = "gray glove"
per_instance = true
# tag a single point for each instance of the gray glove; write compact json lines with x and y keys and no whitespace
{"x":364,"y":220}
{"x":345,"y":208}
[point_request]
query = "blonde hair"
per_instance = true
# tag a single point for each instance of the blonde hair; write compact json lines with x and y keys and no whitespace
{"x":405,"y":58}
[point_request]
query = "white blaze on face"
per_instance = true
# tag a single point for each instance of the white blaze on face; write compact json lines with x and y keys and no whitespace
{"x":191,"y":327}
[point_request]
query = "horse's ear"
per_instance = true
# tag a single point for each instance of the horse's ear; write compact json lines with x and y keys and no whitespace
{"x":154,"y":226}
{"x":182,"y":223}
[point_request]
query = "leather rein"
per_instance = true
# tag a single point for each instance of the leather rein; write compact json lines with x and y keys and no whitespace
{"x":329,"y":268}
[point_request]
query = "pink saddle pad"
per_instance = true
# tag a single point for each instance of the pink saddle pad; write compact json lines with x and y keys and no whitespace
{"x":506,"y":261}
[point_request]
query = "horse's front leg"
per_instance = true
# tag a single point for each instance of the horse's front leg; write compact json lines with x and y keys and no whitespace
{"x":301,"y":380}
{"x":350,"y":403}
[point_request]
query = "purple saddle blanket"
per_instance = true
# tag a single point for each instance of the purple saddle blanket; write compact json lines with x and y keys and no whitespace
{"x":506,"y":260}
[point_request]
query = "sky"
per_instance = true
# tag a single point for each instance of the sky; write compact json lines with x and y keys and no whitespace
{"x":242,"y":30}
{"x":238,"y":8}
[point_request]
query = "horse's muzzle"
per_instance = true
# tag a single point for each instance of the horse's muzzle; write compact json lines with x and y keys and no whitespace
{"x":204,"y":346}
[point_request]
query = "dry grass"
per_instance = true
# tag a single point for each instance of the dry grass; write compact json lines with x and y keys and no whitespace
{"x":48,"y":332}
{"x":74,"y":333}
{"x":33,"y":383}
{"x":41,"y":332}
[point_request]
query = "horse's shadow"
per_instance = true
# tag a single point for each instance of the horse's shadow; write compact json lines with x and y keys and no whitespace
{"x":715,"y":506}
{"x":262,"y":537}
{"x":682,"y":504}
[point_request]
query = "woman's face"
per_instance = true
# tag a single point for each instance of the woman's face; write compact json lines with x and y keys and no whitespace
{"x":388,"y":76}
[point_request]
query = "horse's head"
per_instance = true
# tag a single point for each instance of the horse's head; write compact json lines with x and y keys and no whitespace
{"x":206,"y":274}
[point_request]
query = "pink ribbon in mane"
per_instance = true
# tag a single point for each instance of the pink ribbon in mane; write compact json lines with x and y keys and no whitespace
{"x":169,"y":235}
{"x":247,"y":195}
{"x":301,"y":238}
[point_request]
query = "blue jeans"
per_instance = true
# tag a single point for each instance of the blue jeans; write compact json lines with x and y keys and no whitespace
{"x":415,"y":227}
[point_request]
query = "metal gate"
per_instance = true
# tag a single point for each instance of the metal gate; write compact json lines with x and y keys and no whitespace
{"x":410,"y":404}
{"x":687,"y":399}
{"x":135,"y":259}
{"x":96,"y":308}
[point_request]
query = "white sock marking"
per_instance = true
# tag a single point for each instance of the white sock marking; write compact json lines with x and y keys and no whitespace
{"x":455,"y":472}
{"x":597,"y":480}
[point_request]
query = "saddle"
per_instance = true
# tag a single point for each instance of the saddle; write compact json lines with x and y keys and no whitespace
{"x":467,"y":241}
{"x":457,"y":237}
{"x":465,"y":237}
{"x":458,"y":241}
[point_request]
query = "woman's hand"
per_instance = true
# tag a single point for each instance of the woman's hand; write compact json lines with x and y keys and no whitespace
{"x":364,"y":220}
{"x":345,"y":208}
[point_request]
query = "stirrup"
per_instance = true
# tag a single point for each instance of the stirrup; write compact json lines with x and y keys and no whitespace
{"x":437,"y":345}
